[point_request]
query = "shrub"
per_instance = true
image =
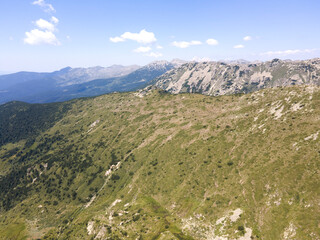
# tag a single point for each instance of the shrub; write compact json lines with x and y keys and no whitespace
{"x":230,"y":163}
{"x":240,"y":228}
{"x":115,"y":177}
{"x":136,"y":218}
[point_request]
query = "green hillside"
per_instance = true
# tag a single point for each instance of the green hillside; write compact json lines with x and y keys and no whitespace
{"x":152,"y":165}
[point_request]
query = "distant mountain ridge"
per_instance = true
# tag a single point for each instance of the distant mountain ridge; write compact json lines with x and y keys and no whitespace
{"x":130,"y":82}
{"x":69,"y":83}
{"x":67,"y":76}
{"x":220,"y":78}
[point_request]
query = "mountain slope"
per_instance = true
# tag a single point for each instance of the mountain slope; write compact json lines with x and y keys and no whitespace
{"x":220,"y":78}
{"x":151,"y":165}
{"x":14,"y":113}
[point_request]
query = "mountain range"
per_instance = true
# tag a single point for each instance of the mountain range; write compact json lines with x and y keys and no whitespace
{"x":69,"y":83}
{"x":177,"y":76}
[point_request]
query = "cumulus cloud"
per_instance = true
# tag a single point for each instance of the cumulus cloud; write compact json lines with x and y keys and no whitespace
{"x":116,"y":39}
{"x":36,"y":36}
{"x":154,"y":54}
{"x":184,"y":44}
{"x":212,"y":41}
{"x":143,"y":37}
{"x":247,"y":38}
{"x":43,"y":24}
{"x":159,"y":47}
{"x":238,"y":46}
{"x":289,"y":52}
{"x":44,"y":33}
{"x":142,"y":49}
{"x":46,"y":6}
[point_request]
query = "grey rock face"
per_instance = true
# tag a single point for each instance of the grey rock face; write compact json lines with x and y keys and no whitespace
{"x":220,"y":78}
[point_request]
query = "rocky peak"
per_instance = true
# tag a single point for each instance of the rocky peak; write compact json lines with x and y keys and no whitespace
{"x":219,"y":78}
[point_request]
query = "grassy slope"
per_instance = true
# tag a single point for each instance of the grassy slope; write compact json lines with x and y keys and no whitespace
{"x":186,"y":161}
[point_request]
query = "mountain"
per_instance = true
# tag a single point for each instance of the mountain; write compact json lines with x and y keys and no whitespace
{"x":219,"y":78}
{"x":9,"y":80}
{"x":237,"y":61}
{"x":132,"y":81}
{"x":66,"y":76}
{"x":69,"y":76}
{"x":70,"y":83}
{"x":154,"y":165}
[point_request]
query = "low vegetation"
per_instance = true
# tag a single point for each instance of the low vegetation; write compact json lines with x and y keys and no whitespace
{"x":162,"y":166}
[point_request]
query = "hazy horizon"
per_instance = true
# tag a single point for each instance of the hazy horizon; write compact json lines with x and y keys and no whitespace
{"x":194,"y":60}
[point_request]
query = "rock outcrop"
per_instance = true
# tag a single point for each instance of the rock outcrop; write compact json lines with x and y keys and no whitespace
{"x":220,"y":78}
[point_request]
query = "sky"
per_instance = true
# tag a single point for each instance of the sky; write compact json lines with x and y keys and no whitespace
{"x":47,"y":35}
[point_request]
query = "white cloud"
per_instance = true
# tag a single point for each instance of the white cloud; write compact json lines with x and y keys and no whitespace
{"x":154,"y":54}
{"x":238,"y":46}
{"x":116,"y":39}
{"x":142,"y":49}
{"x":212,"y":41}
{"x":247,"y":38}
{"x":36,"y":36}
{"x":184,"y":44}
{"x":143,"y":36}
{"x":43,"y":24}
{"x":43,"y":34}
{"x":159,"y":47}
{"x":201,"y":59}
{"x":54,"y":20}
{"x":46,"y":6}
{"x":289,"y":52}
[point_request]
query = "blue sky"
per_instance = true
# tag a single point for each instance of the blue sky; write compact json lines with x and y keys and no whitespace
{"x":46,"y":35}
